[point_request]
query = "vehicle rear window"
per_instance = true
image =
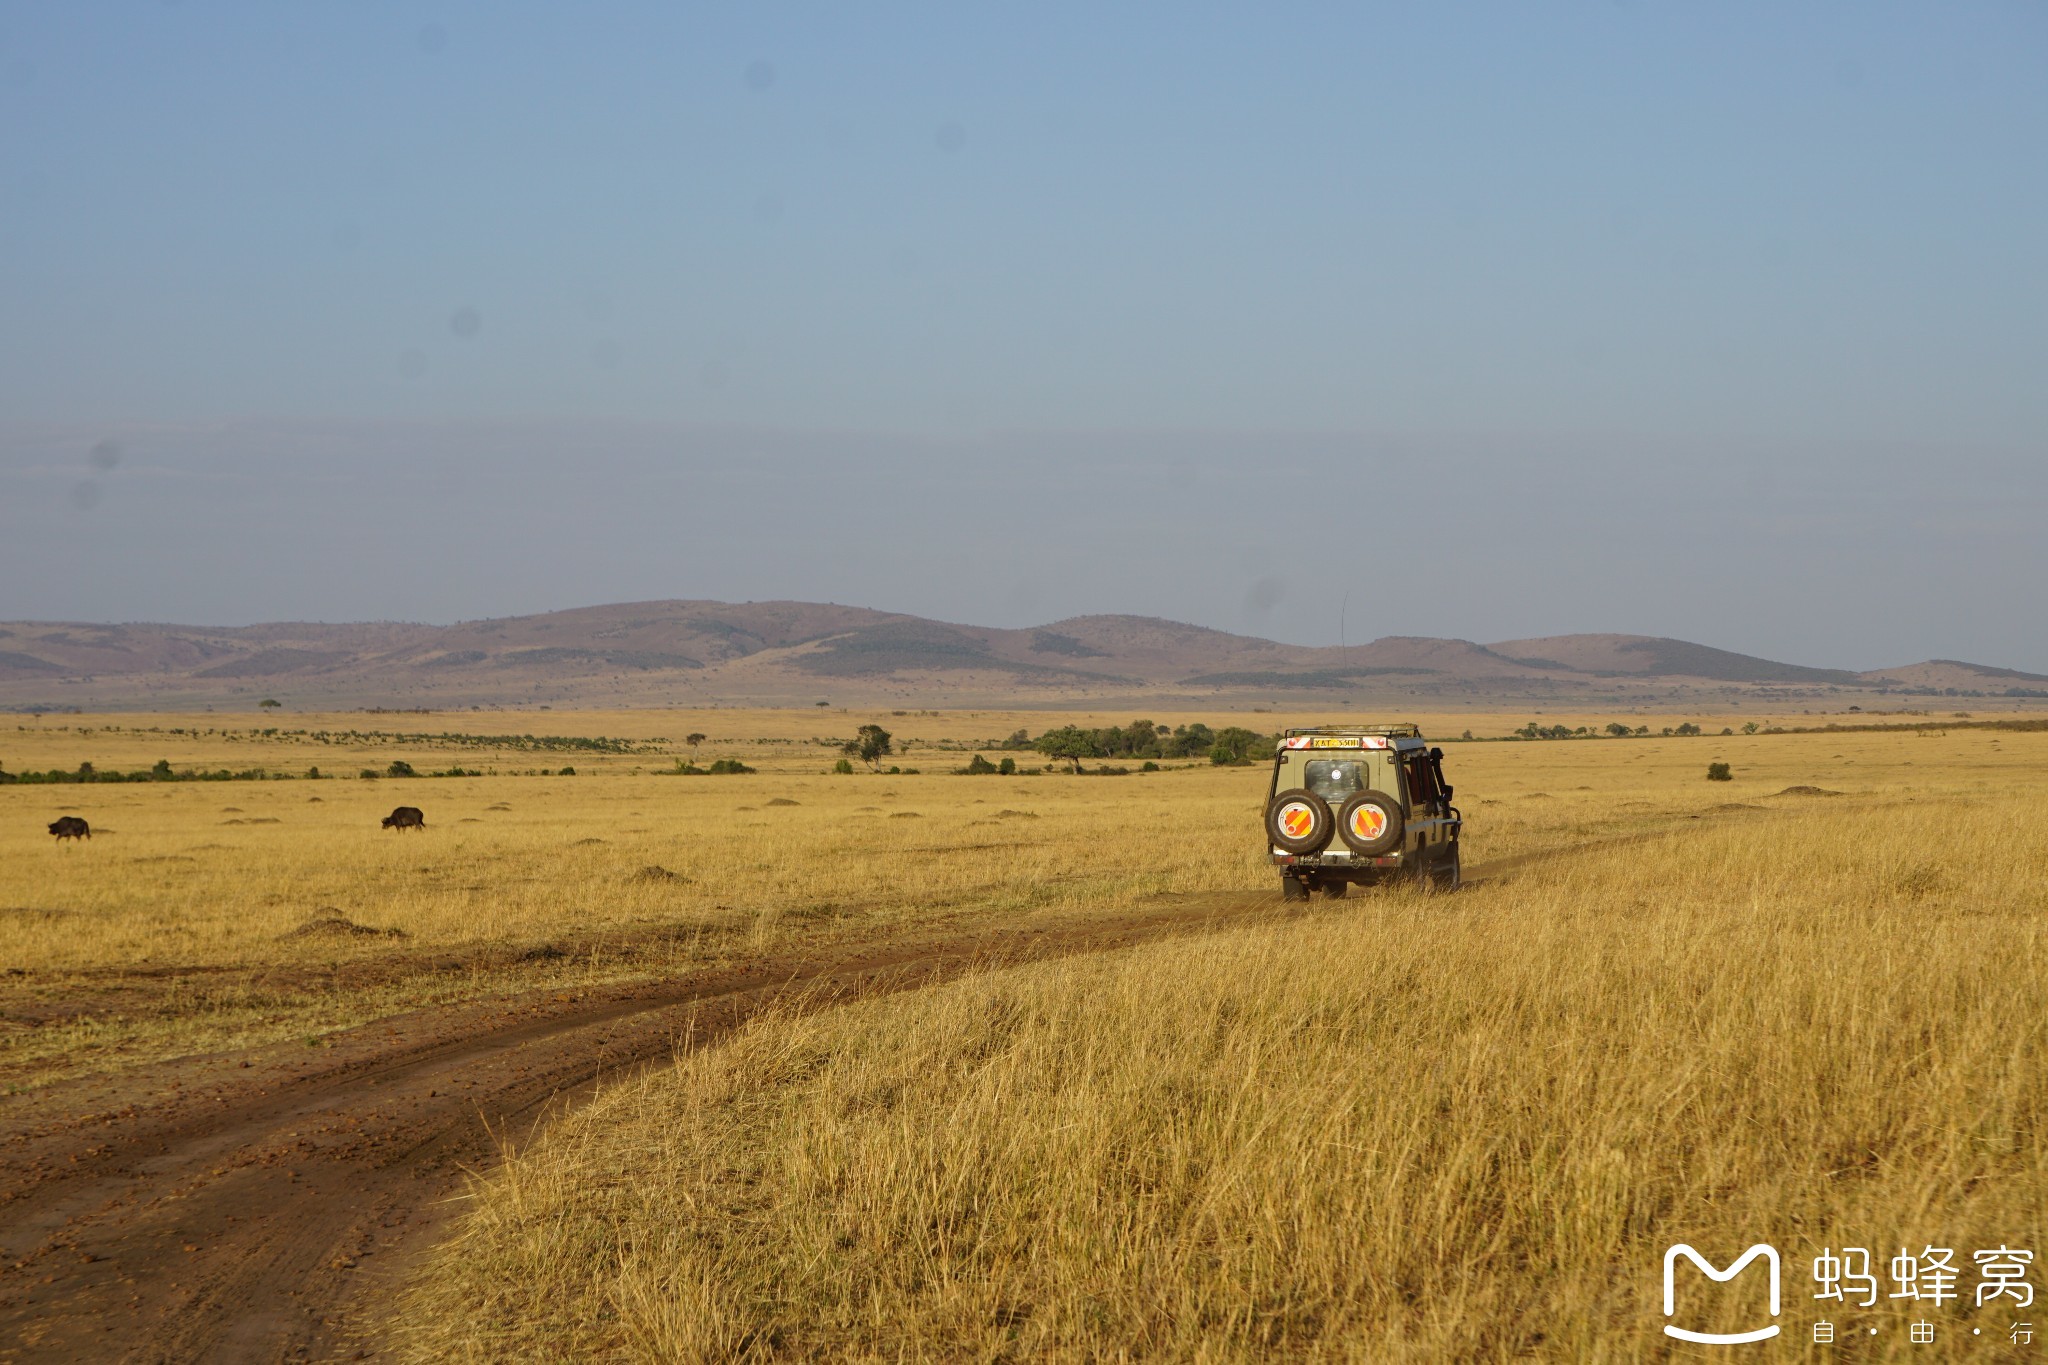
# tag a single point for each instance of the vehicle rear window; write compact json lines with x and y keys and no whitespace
{"x":1334,"y":779}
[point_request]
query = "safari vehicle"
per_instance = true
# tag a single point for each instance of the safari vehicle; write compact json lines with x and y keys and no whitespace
{"x":1360,"y":804}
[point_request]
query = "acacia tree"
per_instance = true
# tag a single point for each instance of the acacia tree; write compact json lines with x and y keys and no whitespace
{"x":1069,"y":742}
{"x":871,"y":744}
{"x":1188,"y":741}
{"x":1140,"y":739}
{"x":693,"y":741}
{"x":1237,"y":745}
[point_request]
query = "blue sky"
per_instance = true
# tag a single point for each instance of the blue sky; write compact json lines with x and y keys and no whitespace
{"x":1721,"y":322}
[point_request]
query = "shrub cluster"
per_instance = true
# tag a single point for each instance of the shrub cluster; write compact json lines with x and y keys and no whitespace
{"x":1614,"y":729}
{"x":1536,"y":730}
{"x":719,"y":767}
{"x":162,"y":772}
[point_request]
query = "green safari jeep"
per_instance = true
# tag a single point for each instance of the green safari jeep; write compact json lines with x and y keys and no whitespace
{"x":1360,"y":803}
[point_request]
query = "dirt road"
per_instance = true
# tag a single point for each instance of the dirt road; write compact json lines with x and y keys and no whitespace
{"x":257,"y":1206}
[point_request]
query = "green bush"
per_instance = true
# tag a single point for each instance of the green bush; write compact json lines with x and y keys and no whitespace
{"x":1719,"y":772}
{"x":844,"y":765}
{"x":977,"y":766}
{"x":1008,"y":767}
{"x":400,"y":768}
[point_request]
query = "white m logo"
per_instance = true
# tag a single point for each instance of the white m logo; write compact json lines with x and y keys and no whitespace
{"x":1671,"y":1256}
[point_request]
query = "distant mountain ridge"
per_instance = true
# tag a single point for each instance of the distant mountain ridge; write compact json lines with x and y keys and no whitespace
{"x":1637,"y":655}
{"x":775,"y":653}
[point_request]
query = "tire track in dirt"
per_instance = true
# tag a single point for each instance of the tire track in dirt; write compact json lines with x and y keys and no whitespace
{"x":261,"y":1206}
{"x":250,"y":1206}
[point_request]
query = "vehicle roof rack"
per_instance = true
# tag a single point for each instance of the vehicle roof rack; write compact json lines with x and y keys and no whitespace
{"x":1398,"y":730}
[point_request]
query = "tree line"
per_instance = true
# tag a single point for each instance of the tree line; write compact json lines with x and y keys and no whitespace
{"x":1141,"y":739}
{"x":1615,"y":730}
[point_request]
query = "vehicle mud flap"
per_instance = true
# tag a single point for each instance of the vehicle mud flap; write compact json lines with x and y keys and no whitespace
{"x":1299,"y":821}
{"x":1371,"y":824}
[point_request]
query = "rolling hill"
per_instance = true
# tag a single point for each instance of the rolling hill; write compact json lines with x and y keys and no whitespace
{"x":778,"y":653}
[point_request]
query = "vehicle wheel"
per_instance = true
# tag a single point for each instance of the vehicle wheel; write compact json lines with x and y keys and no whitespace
{"x":1299,"y":821}
{"x":1371,"y":824}
{"x":1451,"y":875}
{"x":1292,"y":888}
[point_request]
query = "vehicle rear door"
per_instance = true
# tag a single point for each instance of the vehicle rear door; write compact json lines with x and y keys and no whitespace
{"x":1428,"y":812}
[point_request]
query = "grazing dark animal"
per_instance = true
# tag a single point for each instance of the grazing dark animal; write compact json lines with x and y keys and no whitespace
{"x":70,"y":827}
{"x":405,"y":817}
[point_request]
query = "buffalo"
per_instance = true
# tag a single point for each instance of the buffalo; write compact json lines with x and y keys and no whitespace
{"x":70,"y":827}
{"x":405,"y":817}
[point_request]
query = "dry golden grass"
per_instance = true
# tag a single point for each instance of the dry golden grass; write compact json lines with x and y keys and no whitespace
{"x":1399,"y":1127}
{"x":175,"y":928}
{"x":170,"y":931}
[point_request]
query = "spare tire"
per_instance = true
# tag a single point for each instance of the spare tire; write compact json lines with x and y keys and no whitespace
{"x":1299,"y":821}
{"x":1371,"y":823}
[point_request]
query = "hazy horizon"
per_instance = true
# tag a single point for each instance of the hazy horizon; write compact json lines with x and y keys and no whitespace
{"x":1718,"y":325}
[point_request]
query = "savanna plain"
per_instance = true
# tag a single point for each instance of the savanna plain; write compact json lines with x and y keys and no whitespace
{"x":1802,"y":1006}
